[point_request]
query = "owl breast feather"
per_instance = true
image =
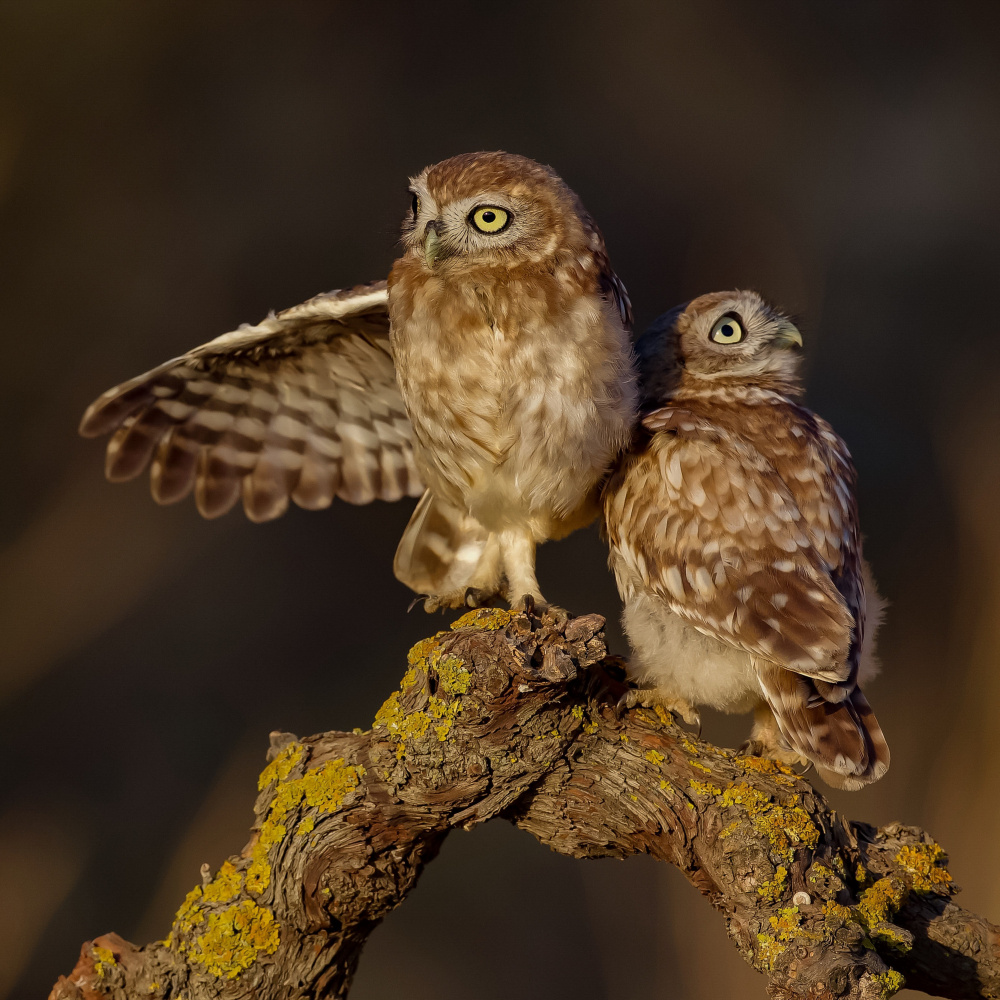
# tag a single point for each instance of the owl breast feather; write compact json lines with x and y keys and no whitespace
{"x":518,"y":409}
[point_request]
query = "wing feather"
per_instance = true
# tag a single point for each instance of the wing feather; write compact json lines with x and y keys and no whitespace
{"x":710,"y":528}
{"x":303,"y":406}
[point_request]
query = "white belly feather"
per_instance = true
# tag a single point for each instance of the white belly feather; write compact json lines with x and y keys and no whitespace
{"x":674,"y":656}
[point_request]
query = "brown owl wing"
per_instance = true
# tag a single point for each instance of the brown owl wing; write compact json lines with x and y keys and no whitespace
{"x":303,"y":406}
{"x":841,"y":737}
{"x":712,"y":529}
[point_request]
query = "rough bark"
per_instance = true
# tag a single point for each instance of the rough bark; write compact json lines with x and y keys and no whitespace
{"x":514,"y":716}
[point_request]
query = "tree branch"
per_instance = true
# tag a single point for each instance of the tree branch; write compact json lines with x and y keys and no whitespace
{"x":513,"y":716}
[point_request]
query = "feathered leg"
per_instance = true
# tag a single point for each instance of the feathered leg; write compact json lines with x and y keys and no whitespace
{"x":448,"y":555}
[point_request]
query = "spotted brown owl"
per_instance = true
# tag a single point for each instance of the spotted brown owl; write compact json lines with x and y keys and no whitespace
{"x":734,"y":539}
{"x":492,"y":374}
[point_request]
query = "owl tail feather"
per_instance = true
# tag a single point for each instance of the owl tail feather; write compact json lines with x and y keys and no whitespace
{"x":841,"y":738}
{"x":445,"y":552}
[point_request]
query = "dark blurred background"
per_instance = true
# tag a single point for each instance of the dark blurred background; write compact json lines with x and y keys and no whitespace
{"x":170,"y":169}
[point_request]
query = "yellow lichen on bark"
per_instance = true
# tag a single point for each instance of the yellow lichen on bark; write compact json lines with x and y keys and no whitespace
{"x":453,"y":680}
{"x":225,"y":886}
{"x":105,"y":960}
{"x":225,"y":942}
{"x":785,"y":824}
{"x":922,"y":863}
{"x":281,"y":766}
{"x":323,"y":788}
{"x":890,"y":982}
{"x":487,"y":619}
{"x":773,"y":889}
{"x":234,"y":937}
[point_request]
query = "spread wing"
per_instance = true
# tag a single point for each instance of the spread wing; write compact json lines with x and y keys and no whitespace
{"x":707,"y":524}
{"x":304,"y":406}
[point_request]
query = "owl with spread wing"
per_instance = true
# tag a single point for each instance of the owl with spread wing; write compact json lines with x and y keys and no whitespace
{"x":734,"y":540}
{"x":492,"y":376}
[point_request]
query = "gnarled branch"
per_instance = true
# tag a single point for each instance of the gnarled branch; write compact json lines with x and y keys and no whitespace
{"x":513,"y":716}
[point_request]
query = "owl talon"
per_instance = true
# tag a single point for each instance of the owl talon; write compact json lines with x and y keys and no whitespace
{"x":530,"y":605}
{"x":417,"y":600}
{"x":653,"y":698}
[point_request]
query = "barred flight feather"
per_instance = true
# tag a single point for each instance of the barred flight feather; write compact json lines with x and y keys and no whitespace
{"x":304,"y":406}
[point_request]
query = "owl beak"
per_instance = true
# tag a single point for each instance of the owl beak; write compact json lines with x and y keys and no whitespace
{"x":432,"y":241}
{"x":788,"y":336}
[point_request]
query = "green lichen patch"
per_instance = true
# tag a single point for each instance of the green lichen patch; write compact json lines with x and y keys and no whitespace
{"x":872,"y":915}
{"x":486,"y":619}
{"x":925,"y":870}
{"x":233,"y":938}
{"x":786,"y":825}
{"x":281,"y":766}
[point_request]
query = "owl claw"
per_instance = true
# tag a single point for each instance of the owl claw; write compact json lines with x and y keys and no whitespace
{"x":416,"y":600}
{"x":471,"y":597}
{"x":751,"y":748}
{"x":652,"y":697}
{"x":530,"y":604}
{"x":755,"y":747}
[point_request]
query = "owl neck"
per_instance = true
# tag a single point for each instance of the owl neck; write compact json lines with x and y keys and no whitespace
{"x":765,"y":387}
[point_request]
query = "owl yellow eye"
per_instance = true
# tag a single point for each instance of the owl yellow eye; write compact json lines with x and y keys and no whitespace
{"x":727,"y":330}
{"x":415,"y":205}
{"x":489,"y":218}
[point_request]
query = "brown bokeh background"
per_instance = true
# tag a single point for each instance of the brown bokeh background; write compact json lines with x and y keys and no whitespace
{"x":170,"y":169}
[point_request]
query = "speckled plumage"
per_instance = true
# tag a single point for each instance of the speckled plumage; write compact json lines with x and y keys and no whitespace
{"x":506,"y":388}
{"x":735,"y":542}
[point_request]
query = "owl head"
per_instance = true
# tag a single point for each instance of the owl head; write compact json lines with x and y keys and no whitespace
{"x":489,"y":209}
{"x":732,"y":335}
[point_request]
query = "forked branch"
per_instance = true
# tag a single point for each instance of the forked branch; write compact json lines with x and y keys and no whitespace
{"x":513,"y":716}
